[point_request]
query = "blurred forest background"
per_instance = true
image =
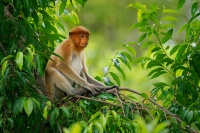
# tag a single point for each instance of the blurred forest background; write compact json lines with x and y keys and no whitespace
{"x":109,"y":22}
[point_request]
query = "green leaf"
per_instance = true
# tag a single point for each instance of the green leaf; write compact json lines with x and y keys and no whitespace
{"x":29,"y":57}
{"x":26,"y":7}
{"x":99,"y":127}
{"x":182,"y":49}
{"x":89,"y":129}
{"x":138,"y":60}
{"x":46,"y":15}
{"x":41,"y":3}
{"x":103,"y":121}
{"x":174,"y":49}
{"x":183,"y":27}
{"x":144,"y":95}
{"x":158,"y":74}
{"x":193,"y":18}
{"x":18,"y":106}
{"x":34,"y":4}
{"x":39,"y":64}
{"x":75,"y":18}
{"x":126,"y":110}
{"x":180,"y":4}
{"x":107,"y":96}
{"x":160,"y":57}
{"x":19,"y":60}
{"x":142,"y":37}
{"x":131,"y":50}
{"x":45,"y":112}
{"x":28,"y":106}
{"x":4,"y":66}
{"x":21,"y":78}
{"x":128,"y":126}
{"x":167,"y":26}
{"x":153,"y":63}
{"x":35,"y":17}
{"x":194,"y":8}
{"x":17,"y":4}
{"x":167,"y":36}
{"x":115,"y":77}
{"x":75,"y":128}
{"x":169,"y":18}
{"x":140,"y":24}
{"x":81,"y":2}
{"x":169,"y":11}
{"x":146,"y":44}
{"x":122,"y":72}
{"x":105,"y":70}
{"x":116,"y":63}
{"x":83,"y":104}
{"x":156,"y":49}
{"x":106,"y":80}
{"x":11,"y":121}
{"x":162,"y":127}
{"x":6,"y":58}
{"x":65,"y":111}
{"x":61,"y":26}
{"x":126,"y":63}
{"x":117,"y":118}
{"x":183,"y":124}
{"x":54,"y":115}
{"x":128,"y":56}
{"x":62,"y":7}
{"x":139,"y":6}
{"x":95,"y":116}
{"x":160,"y":84}
{"x":122,"y":57}
{"x":189,"y":116}
{"x":155,"y":71}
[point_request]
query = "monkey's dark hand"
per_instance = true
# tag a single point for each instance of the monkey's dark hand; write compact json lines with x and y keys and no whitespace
{"x":93,"y":88}
{"x":106,"y":88}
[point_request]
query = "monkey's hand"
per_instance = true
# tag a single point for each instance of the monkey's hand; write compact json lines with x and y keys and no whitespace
{"x":93,"y":88}
{"x":106,"y":88}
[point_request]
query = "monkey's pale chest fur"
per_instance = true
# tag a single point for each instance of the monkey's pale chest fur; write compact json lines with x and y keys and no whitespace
{"x":76,"y":64}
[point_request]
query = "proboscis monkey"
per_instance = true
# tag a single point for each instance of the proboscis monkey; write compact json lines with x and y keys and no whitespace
{"x":68,"y":74}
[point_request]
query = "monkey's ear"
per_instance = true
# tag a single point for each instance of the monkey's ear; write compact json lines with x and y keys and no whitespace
{"x":70,"y":33}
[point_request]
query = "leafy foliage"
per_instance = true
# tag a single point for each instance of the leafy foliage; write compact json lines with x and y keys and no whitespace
{"x":179,"y":61}
{"x":30,"y":30}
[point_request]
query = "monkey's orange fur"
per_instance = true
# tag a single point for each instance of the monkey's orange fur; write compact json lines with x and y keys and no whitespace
{"x":62,"y":75}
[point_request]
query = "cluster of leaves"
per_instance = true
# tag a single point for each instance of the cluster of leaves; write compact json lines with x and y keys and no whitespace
{"x":29,"y":31}
{"x":180,"y":62}
{"x":125,"y":57}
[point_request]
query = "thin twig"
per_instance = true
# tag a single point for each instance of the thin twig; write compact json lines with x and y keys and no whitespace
{"x":118,"y":97}
{"x":59,"y":127}
{"x":88,"y":98}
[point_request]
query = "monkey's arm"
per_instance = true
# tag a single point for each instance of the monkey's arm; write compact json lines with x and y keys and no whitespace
{"x":88,"y":77}
{"x":94,"y":81}
{"x":67,"y":71}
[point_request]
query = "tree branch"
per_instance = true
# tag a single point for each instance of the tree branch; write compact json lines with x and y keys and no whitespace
{"x":115,"y":92}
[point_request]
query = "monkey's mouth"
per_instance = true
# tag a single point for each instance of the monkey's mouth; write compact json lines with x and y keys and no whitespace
{"x":84,"y":45}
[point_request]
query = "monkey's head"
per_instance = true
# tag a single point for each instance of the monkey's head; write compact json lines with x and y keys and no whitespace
{"x":80,"y":36}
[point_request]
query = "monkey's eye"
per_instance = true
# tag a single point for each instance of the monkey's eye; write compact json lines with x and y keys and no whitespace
{"x":82,"y":35}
